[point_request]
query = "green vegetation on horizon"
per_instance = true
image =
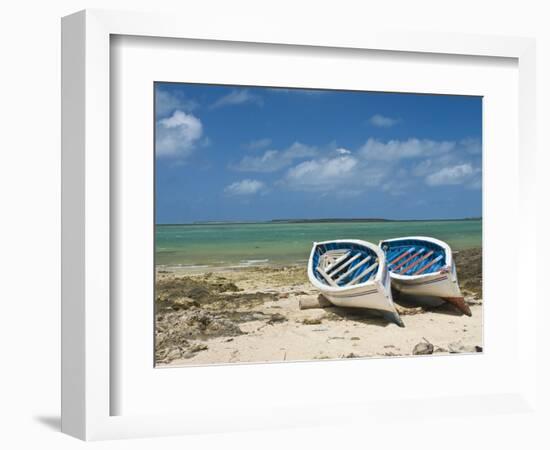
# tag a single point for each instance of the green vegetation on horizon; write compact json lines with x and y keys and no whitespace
{"x":319,"y":220}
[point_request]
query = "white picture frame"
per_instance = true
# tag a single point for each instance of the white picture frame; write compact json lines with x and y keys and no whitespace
{"x":87,"y":316}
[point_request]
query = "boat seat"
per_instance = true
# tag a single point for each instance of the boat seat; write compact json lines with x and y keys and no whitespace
{"x":332,"y":258}
{"x":333,"y":269}
{"x":427,"y":266}
{"x":416,"y":263}
{"x":401,"y":255}
{"x":410,"y":258}
{"x":362,"y":274}
{"x":354,"y":268}
{"x":343,"y":266}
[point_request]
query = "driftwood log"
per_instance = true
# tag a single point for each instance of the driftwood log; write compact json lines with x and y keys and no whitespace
{"x":314,"y":303}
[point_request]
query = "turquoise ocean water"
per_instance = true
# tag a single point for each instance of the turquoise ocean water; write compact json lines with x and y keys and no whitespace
{"x":235,"y":245}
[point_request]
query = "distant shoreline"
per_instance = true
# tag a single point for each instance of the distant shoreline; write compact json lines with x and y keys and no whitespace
{"x":325,"y":220}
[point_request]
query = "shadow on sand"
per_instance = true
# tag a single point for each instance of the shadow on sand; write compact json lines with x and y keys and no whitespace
{"x":428,"y":304}
{"x":364,"y":316}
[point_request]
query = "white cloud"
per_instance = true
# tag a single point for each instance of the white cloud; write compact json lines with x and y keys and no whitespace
{"x":394,"y":166}
{"x":273,"y":160}
{"x":471,"y":146}
{"x":323,"y":175}
{"x":245,"y":187}
{"x":380,"y":121}
{"x":168,"y":102}
{"x":394,"y":150}
{"x":457,"y":174}
{"x":258,"y":144}
{"x":343,"y":151}
{"x":237,"y":97}
{"x":177,"y":135}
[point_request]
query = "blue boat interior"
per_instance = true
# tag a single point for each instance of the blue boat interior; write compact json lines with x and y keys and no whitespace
{"x":413,"y":256}
{"x":341,"y":264}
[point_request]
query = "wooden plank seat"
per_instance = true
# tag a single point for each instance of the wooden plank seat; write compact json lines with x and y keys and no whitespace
{"x":331,"y":265}
{"x":415,"y":263}
{"x":418,"y":253}
{"x":337,"y":266}
{"x":346,"y":264}
{"x":353,"y":269}
{"x":427,"y":266}
{"x":401,"y":255}
{"x":326,"y":277}
{"x":362,"y":275}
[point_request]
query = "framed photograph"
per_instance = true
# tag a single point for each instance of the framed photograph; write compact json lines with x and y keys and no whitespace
{"x":252,"y":215}
{"x":270,"y":201}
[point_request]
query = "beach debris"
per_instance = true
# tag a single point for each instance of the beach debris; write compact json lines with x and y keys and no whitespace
{"x":273,"y":319}
{"x":351,"y":355}
{"x":283,"y":295}
{"x":473,"y":300}
{"x":234,"y":356}
{"x":258,"y":316}
{"x":355,"y":338}
{"x":469,"y":270}
{"x":423,"y":348}
{"x":458,"y":347}
{"x":175,"y":353}
{"x":409,"y":310}
{"x":276,"y":318}
{"x":184,"y":303}
{"x":315,"y":321}
{"x":194,"y":349}
{"x":314,"y":302}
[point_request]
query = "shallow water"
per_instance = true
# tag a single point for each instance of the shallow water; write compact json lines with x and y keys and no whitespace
{"x":253,"y":244}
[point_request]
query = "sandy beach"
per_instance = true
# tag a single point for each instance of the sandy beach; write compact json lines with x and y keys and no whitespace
{"x":252,"y":315}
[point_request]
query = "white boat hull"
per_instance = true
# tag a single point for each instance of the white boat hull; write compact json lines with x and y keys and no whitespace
{"x":442,"y":284}
{"x":374,"y":294}
{"x":430,"y":285}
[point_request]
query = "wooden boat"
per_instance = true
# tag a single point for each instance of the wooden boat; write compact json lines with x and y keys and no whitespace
{"x":352,"y":273}
{"x":424,"y":267}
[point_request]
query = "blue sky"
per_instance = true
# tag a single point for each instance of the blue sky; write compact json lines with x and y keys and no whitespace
{"x":230,"y":153}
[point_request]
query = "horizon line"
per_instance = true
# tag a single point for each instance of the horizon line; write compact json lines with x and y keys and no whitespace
{"x":327,"y":219}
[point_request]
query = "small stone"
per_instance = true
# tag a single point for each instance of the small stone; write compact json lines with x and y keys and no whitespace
{"x":184,"y":303}
{"x":423,"y":348}
{"x":173,"y":354}
{"x":258,"y":316}
{"x":457,"y":347}
{"x":312,"y":321}
{"x":276,"y":318}
{"x":199,"y":347}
